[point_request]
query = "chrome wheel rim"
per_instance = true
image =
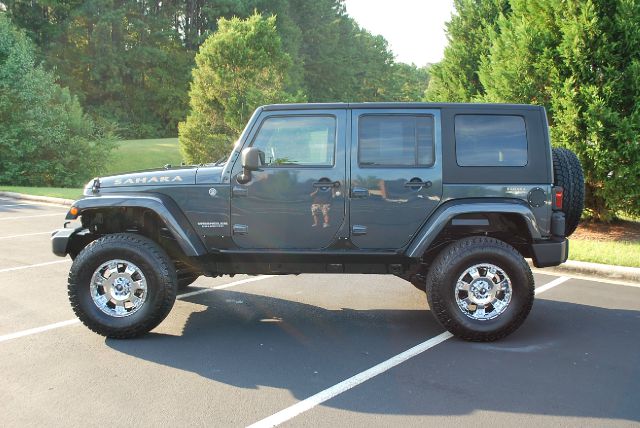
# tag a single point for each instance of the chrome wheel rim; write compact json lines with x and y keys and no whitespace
{"x":483,"y":292}
{"x":118,"y":288}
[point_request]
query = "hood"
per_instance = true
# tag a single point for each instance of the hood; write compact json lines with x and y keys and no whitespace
{"x":153,"y":177}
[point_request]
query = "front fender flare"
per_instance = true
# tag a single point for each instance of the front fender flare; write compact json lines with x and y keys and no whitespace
{"x":162,"y":205}
{"x":443,"y":215}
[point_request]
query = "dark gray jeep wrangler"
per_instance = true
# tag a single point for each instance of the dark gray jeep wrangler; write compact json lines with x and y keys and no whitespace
{"x":450,"y":197}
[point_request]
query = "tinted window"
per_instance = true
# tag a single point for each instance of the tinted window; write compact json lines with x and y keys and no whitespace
{"x":297,"y":140}
{"x":395,"y":140}
{"x":486,"y":140}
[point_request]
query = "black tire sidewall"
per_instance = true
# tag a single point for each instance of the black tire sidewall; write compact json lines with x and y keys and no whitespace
{"x":460,"y":256}
{"x":519,"y":290}
{"x":158,"y":286}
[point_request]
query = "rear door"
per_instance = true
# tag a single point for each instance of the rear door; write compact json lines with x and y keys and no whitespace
{"x":396,"y":171}
{"x":296,"y":200}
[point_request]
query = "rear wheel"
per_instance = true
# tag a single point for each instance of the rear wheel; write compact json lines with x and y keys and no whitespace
{"x":122,"y":285}
{"x":480,"y":289}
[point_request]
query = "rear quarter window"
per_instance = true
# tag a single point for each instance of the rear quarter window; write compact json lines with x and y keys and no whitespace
{"x":490,"y":140}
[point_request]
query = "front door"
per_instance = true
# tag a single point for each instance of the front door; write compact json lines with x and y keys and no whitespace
{"x":396,"y":171}
{"x":296,"y":200}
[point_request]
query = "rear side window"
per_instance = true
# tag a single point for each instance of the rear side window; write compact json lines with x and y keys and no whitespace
{"x":395,"y":140}
{"x":297,"y":140}
{"x":490,"y":140}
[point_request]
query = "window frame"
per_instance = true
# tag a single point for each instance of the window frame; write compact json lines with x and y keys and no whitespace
{"x":279,"y":116}
{"x":396,"y":166}
{"x":526,"y":135}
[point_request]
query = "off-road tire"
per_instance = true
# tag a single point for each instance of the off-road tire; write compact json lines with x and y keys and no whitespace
{"x":567,"y":173}
{"x":453,"y":261}
{"x":158,"y":270}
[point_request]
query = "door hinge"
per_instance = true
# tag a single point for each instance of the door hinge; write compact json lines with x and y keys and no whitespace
{"x":358,"y":229}
{"x":239,"y":191}
{"x":240,"y":229}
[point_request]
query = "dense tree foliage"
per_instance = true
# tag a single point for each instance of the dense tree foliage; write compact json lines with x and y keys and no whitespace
{"x":45,"y":138}
{"x":130,"y":61}
{"x":581,"y":60}
{"x":240,"y":67}
{"x":455,"y":78}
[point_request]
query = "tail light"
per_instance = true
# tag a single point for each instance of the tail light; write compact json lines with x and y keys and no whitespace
{"x":558,"y":193}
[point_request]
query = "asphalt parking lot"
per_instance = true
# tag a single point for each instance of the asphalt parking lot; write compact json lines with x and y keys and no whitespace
{"x":311,"y":350}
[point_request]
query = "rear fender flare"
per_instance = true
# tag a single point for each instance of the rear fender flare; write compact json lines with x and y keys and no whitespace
{"x":446,"y":212}
{"x":166,"y":209}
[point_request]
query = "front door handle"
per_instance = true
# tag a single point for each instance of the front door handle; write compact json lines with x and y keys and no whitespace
{"x":417,"y":184}
{"x":326,"y":184}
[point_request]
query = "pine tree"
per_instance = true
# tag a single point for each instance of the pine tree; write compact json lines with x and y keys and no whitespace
{"x":455,"y":78}
{"x":238,"y":68}
{"x":580,"y":59}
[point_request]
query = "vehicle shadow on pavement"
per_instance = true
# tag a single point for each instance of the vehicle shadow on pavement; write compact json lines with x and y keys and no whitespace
{"x":568,"y":359}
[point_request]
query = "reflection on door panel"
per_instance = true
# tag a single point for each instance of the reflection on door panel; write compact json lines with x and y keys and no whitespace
{"x":395,"y":181}
{"x":296,"y":200}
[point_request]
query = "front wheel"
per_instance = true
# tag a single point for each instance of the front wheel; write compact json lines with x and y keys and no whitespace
{"x":480,"y":289}
{"x":122,"y":285}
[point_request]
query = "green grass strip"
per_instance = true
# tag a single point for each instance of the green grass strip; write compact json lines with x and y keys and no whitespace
{"x":607,"y":252}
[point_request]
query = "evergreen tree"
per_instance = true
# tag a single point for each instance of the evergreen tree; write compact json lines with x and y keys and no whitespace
{"x":581,"y":59}
{"x":238,"y":68}
{"x":45,"y":138}
{"x":455,"y":78}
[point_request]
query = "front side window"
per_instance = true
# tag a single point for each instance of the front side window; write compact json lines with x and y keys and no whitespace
{"x":490,"y":140}
{"x":297,"y":140}
{"x":395,"y":140}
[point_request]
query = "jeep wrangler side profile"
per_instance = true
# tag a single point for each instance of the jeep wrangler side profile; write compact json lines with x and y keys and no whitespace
{"x":450,"y":197}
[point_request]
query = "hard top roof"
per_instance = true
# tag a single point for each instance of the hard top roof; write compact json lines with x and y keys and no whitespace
{"x":391,"y":105}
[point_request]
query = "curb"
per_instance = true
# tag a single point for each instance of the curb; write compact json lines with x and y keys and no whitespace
{"x":594,"y":269}
{"x":35,"y":198}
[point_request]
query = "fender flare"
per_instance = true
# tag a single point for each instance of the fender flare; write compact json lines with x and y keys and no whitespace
{"x":165,"y":207}
{"x":447,"y":211}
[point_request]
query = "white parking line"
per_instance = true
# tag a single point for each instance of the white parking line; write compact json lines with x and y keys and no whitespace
{"x":37,"y":330}
{"x":335,"y":390}
{"x":32,"y":216}
{"x":26,"y":234}
{"x":61,"y":324}
{"x":36,"y":265}
{"x":13,"y":205}
{"x":223,"y":286}
{"x":589,"y":278}
{"x":550,"y":285}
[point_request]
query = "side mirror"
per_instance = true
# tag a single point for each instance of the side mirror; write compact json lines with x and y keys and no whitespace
{"x":252,"y":159}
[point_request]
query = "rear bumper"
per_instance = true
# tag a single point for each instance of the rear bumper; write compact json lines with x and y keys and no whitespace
{"x":550,"y":253}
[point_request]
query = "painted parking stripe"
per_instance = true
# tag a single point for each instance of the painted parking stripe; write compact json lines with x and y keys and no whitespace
{"x":66,"y":323}
{"x":37,"y":330}
{"x":550,"y":285}
{"x":26,"y":234}
{"x":33,"y":266}
{"x":589,"y":278}
{"x":33,"y":216}
{"x":13,"y":205}
{"x":335,"y":390}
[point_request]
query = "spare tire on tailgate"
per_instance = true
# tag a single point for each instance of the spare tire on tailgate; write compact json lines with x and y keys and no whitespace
{"x":567,"y":173}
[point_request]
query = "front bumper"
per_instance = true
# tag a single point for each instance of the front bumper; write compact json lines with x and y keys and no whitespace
{"x":552,"y":252}
{"x":60,"y":240}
